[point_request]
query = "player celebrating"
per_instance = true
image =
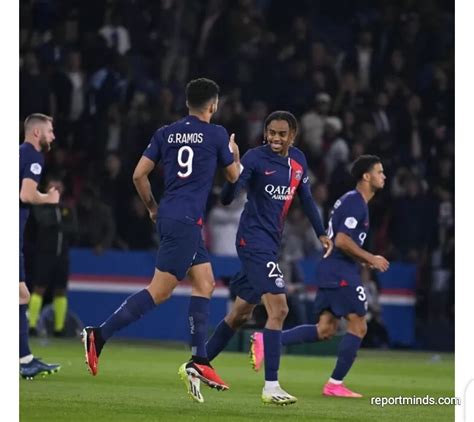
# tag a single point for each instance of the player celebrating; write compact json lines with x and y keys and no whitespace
{"x":38,"y":137}
{"x":341,"y":293}
{"x":272,"y":174}
{"x":190,"y":150}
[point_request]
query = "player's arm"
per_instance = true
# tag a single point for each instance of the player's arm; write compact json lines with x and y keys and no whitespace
{"x":309,"y":208}
{"x":143,"y":186}
{"x":232,"y":171}
{"x":231,"y":190}
{"x":351,"y":248}
{"x":29,"y":193}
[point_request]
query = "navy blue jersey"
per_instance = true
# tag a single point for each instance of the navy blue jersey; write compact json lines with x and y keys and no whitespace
{"x":350,"y":215}
{"x":190,"y":151}
{"x":31,"y":166}
{"x":271,"y":182}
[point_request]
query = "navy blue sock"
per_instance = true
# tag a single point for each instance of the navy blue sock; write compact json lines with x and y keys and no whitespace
{"x":301,"y":334}
{"x":131,"y":310}
{"x":24,"y":346}
{"x":346,"y":354}
{"x":198,"y":321}
{"x":219,"y":339}
{"x":272,"y":351}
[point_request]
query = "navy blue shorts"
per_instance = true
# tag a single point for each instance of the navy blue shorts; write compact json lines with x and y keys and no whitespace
{"x":260,"y":274}
{"x":341,"y":301}
{"x":181,"y":246}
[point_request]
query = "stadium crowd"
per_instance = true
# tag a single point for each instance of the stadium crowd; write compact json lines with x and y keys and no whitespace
{"x":362,"y":77}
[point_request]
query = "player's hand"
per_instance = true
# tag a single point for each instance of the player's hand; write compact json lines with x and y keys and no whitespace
{"x":53,"y":196}
{"x":234,"y":148}
{"x":378,"y":262}
{"x":327,"y":244}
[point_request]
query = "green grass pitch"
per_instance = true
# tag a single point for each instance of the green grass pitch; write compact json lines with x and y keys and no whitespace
{"x":139,"y":382}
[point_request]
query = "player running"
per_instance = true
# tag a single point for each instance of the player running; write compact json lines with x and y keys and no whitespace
{"x":38,"y":138}
{"x":190,"y":150}
{"x":341,"y":293}
{"x":272,"y":174}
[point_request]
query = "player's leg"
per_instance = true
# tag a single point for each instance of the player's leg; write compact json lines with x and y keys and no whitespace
{"x":60,"y":303}
{"x":202,"y":281}
{"x":246,"y":299}
{"x":277,"y":310}
{"x":25,"y":353}
{"x":30,"y":366}
{"x":308,"y":333}
{"x":225,"y":330}
{"x":131,"y":310}
{"x":43,"y":269}
{"x":354,"y":303}
{"x":178,"y":244}
{"x":34,"y":308}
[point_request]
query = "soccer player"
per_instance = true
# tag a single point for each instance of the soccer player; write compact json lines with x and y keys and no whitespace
{"x":272,"y":174}
{"x":341,"y":293}
{"x":38,"y":137}
{"x":190,"y":150}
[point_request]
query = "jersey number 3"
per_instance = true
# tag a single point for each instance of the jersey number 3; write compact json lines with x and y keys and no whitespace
{"x":185,"y":164}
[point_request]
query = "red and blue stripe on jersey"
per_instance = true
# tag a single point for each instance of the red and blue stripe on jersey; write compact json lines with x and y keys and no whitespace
{"x":271,"y":182}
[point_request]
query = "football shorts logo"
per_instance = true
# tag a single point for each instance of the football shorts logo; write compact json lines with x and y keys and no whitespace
{"x":268,"y":172}
{"x":280,"y":282}
{"x":298,"y":174}
{"x":35,"y":168}
{"x":350,"y":222}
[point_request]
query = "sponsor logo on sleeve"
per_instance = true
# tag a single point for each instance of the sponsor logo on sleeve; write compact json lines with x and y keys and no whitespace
{"x":305,"y":180}
{"x":298,"y":174}
{"x":350,"y":222}
{"x":35,"y":168}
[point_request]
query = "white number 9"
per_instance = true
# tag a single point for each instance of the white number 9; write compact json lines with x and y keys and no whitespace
{"x":188,"y":164}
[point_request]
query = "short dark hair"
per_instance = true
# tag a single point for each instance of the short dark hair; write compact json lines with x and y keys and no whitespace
{"x":282,"y":115}
{"x":200,"y":91}
{"x":32,"y":118}
{"x":363,"y":164}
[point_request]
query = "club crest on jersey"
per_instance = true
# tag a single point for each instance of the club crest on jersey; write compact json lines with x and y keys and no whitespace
{"x":280,"y":282}
{"x":298,"y":174}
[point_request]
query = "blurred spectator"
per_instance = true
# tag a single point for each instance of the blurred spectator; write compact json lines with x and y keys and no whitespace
{"x":115,"y":33}
{"x":222,"y":226}
{"x":313,"y":123}
{"x":409,"y":226}
{"x":337,"y":148}
{"x":361,"y":60}
{"x":138,"y":232}
{"x":377,"y":335}
{"x":256,"y":122}
{"x":96,"y":222}
{"x":36,"y":95}
{"x":56,"y":229}
{"x":292,"y":251}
